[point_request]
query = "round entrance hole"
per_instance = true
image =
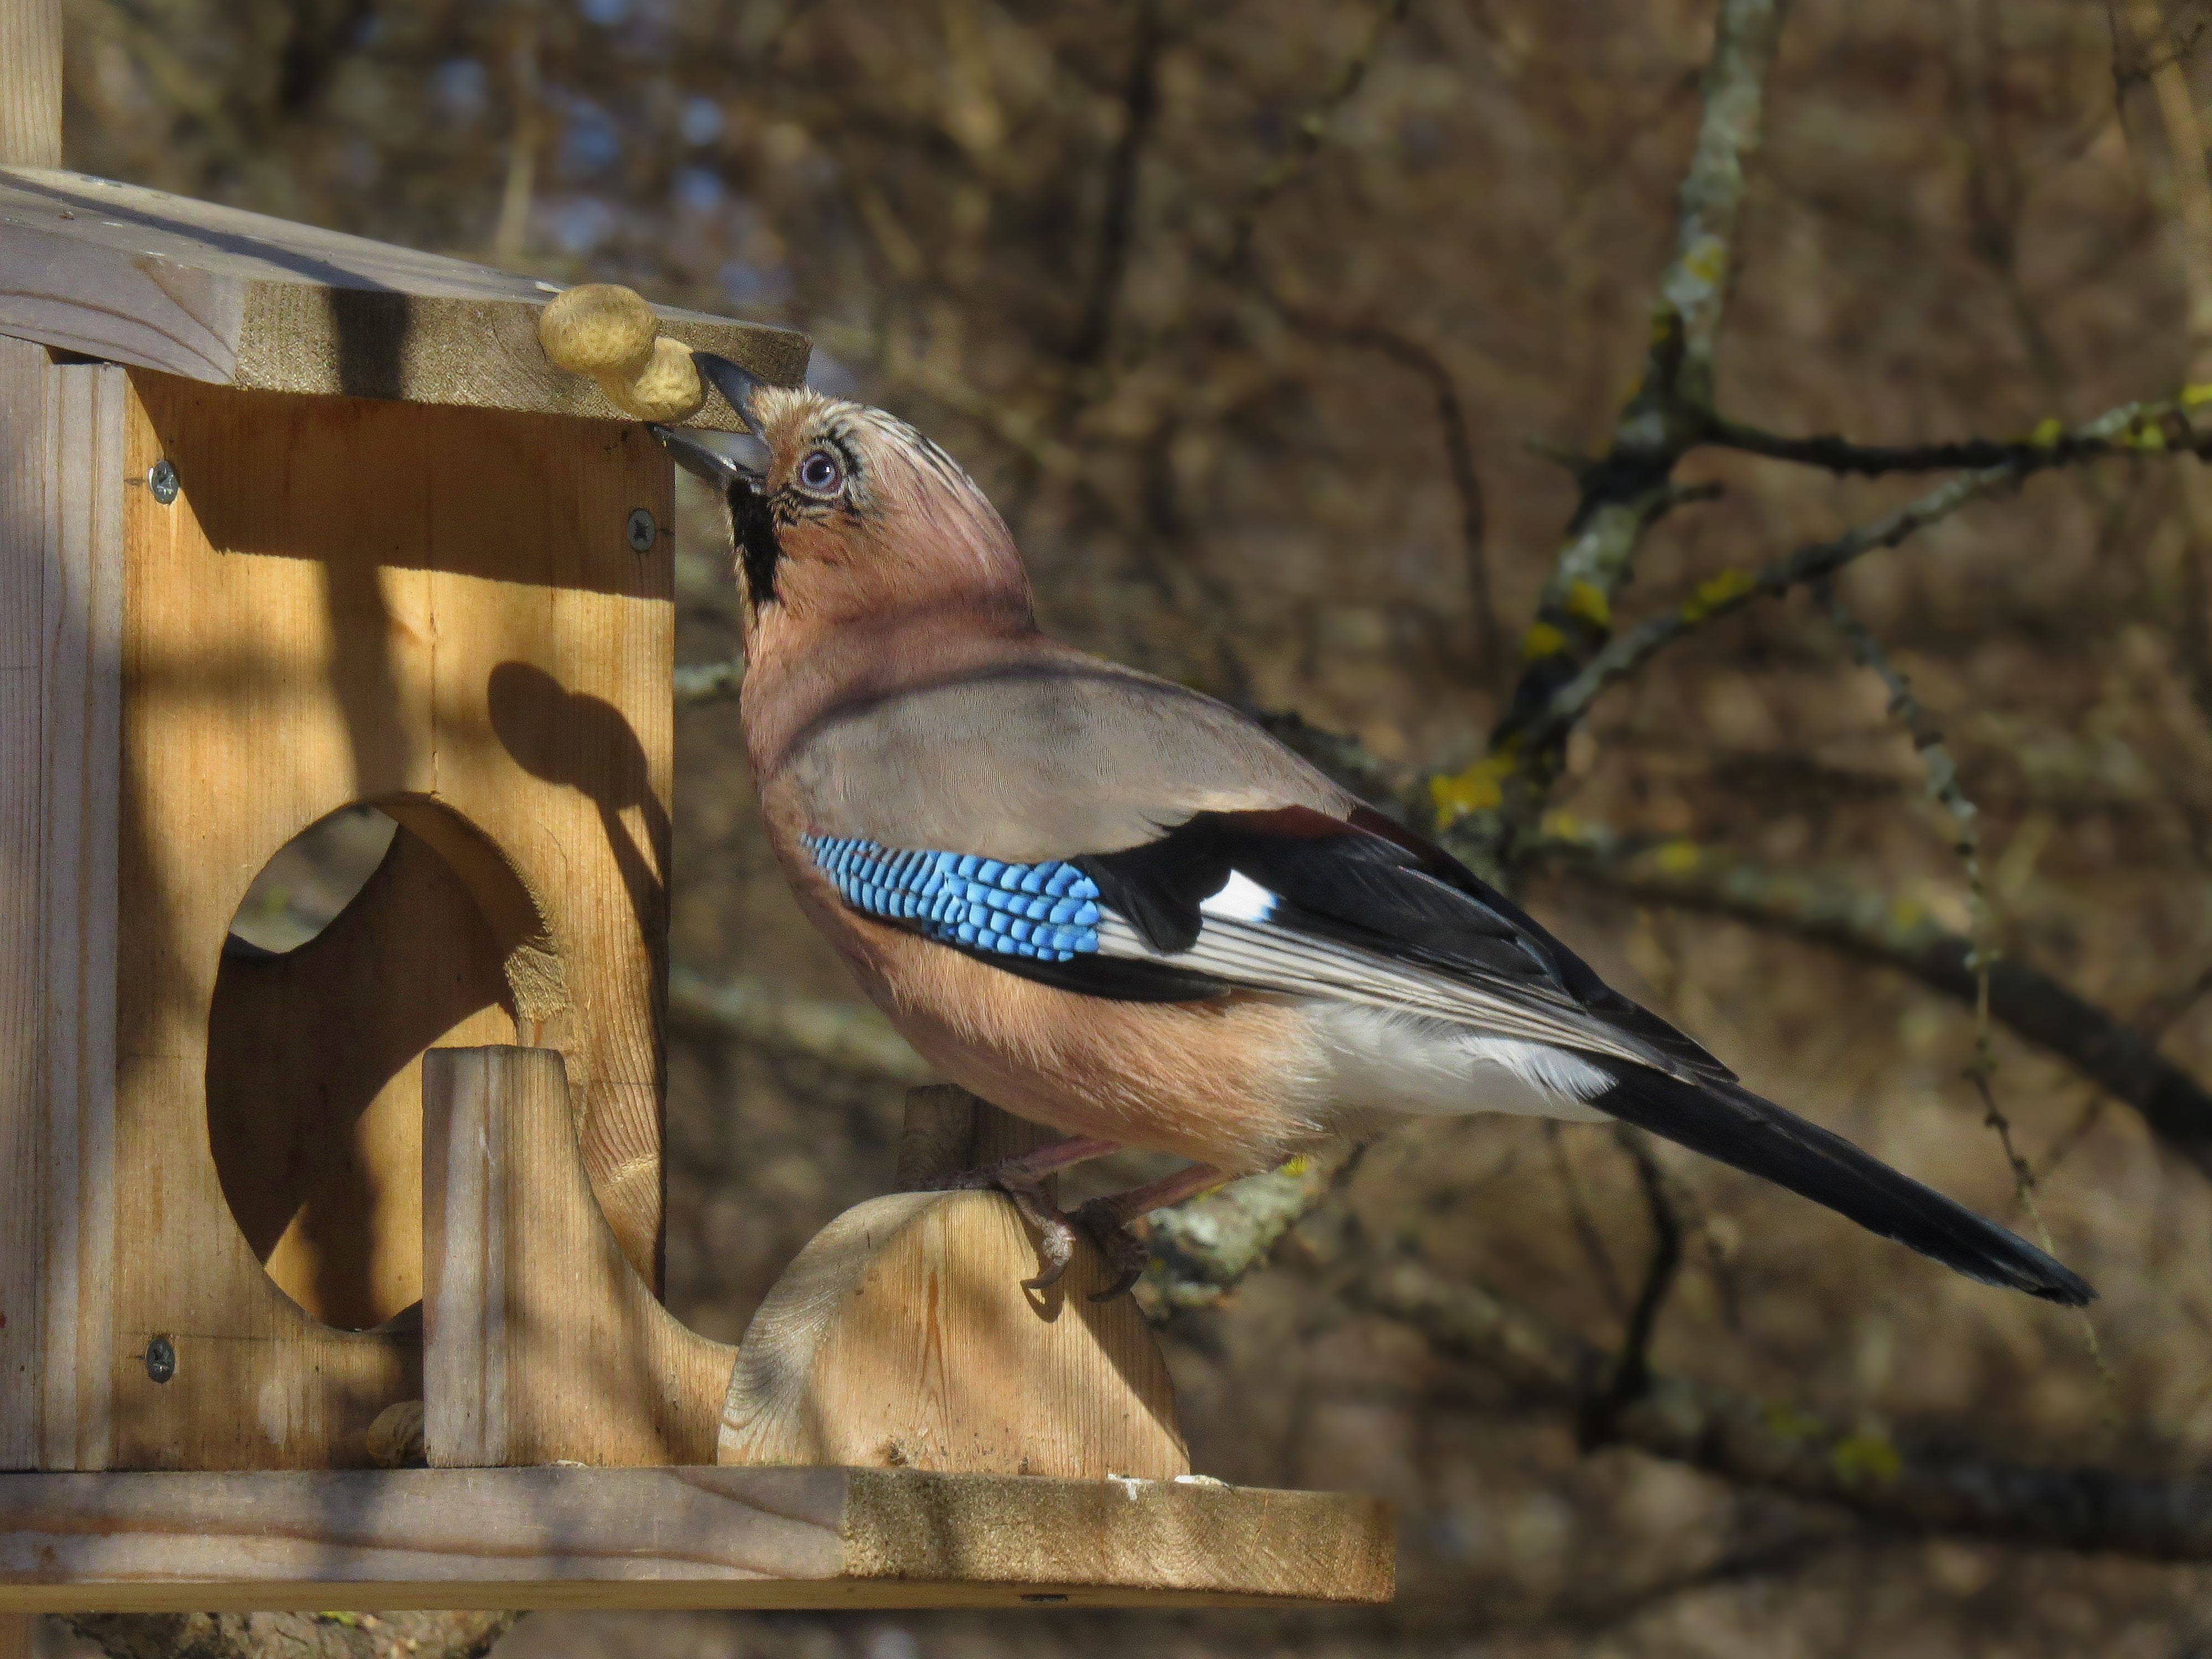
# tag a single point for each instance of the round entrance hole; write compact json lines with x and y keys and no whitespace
{"x":357,"y":948}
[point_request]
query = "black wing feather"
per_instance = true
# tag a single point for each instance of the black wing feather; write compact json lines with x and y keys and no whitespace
{"x":1728,"y":1122}
{"x":1371,"y":884}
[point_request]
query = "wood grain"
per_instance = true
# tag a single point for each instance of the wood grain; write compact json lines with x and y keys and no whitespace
{"x":30,"y":83}
{"x":902,"y":1337}
{"x":18,"y":1635}
{"x":23,"y":537}
{"x":541,"y":1343}
{"x":60,"y":620}
{"x":436,"y":610}
{"x":219,"y":295}
{"x":673,"y":1538}
{"x":81,"y":720}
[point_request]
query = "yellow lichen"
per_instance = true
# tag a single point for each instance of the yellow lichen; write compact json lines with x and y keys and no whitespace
{"x":1858,"y":1457}
{"x":1787,"y":1422}
{"x":1542,"y":640}
{"x":1480,"y":788}
{"x":2195,"y":396}
{"x":1676,"y":858}
{"x":2047,"y":432}
{"x":1585,"y":601}
{"x":1715,"y":591}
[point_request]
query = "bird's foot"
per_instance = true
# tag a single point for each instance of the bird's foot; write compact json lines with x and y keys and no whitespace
{"x":1105,"y":1223}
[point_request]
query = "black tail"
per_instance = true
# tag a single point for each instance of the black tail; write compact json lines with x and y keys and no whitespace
{"x":1730,"y":1123}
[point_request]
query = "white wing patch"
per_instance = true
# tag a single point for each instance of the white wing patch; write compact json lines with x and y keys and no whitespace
{"x":1241,"y":899}
{"x":1433,"y":1068}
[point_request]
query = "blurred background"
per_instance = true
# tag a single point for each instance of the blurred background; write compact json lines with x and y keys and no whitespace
{"x":1276,"y":328}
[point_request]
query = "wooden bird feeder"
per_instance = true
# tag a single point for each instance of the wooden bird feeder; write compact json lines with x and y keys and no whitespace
{"x":289,"y":521}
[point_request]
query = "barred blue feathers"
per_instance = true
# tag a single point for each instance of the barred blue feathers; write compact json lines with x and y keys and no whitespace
{"x":1046,"y":911}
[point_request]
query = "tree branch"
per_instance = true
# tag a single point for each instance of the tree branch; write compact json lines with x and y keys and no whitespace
{"x":1459,"y":458}
{"x":708,"y":682}
{"x":1667,"y":414}
{"x":1837,"y":454}
{"x":2036,"y":1007}
{"x":850,"y":1036}
{"x":1784,"y":1449}
{"x":1202,"y":1248}
{"x":1306,"y":137}
{"x":2154,"y":427}
{"x":1140,"y":103}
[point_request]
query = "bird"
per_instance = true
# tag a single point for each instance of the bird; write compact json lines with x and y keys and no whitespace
{"x":1109,"y":904}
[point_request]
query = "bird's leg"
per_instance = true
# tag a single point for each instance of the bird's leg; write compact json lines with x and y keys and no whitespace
{"x":1106,"y":1220}
{"x":1022,"y":1179}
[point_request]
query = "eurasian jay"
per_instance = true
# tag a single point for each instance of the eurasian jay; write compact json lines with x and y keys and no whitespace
{"x":1117,"y":908}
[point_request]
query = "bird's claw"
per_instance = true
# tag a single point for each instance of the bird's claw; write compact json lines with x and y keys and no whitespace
{"x":1102,"y":1223}
{"x":1100,"y":1220}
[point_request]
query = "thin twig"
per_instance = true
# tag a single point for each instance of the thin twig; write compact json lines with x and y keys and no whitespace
{"x":1307,"y":133}
{"x":1141,"y":102}
{"x":2159,"y":427}
{"x":1631,"y":1371}
{"x":1840,"y":455}
{"x":1584,"y":1223}
{"x":1782,"y":1447}
{"x":1659,"y":422}
{"x":1459,"y":458}
{"x":1947,"y":786}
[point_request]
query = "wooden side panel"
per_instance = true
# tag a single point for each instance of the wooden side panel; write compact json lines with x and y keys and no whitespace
{"x":434,"y":609}
{"x":541,"y":1343}
{"x":22,"y":996}
{"x":81,"y":725}
{"x":315,"y":1082}
{"x":18,"y":1635}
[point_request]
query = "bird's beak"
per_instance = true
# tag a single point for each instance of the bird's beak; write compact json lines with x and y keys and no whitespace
{"x":728,"y":460}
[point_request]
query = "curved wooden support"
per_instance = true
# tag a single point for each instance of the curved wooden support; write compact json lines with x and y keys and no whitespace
{"x":902,"y":1337}
{"x":541,"y":1343}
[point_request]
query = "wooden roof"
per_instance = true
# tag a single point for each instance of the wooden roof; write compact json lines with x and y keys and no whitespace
{"x":140,"y":276}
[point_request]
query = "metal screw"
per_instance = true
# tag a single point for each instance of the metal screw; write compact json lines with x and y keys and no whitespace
{"x":641,"y":530}
{"x":161,"y":479}
{"x":160,"y":1359}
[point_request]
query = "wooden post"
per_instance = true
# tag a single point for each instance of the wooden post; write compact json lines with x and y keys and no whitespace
{"x":540,"y":1342}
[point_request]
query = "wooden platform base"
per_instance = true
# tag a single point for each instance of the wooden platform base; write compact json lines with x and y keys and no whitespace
{"x":673,"y":1538}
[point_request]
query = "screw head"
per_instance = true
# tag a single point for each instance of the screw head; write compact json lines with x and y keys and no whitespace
{"x":641,"y":530}
{"x":160,"y":1359}
{"x":161,"y":479}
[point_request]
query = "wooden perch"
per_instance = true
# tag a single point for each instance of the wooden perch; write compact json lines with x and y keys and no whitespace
{"x":902,"y":1335}
{"x":672,"y":1537}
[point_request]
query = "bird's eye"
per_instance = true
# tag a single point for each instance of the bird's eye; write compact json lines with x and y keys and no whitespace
{"x":820,"y":474}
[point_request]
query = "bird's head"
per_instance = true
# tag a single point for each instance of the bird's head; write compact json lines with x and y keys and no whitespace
{"x":846,"y":519}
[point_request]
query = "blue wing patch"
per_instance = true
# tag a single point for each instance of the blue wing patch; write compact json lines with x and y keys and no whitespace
{"x":1048,"y":912}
